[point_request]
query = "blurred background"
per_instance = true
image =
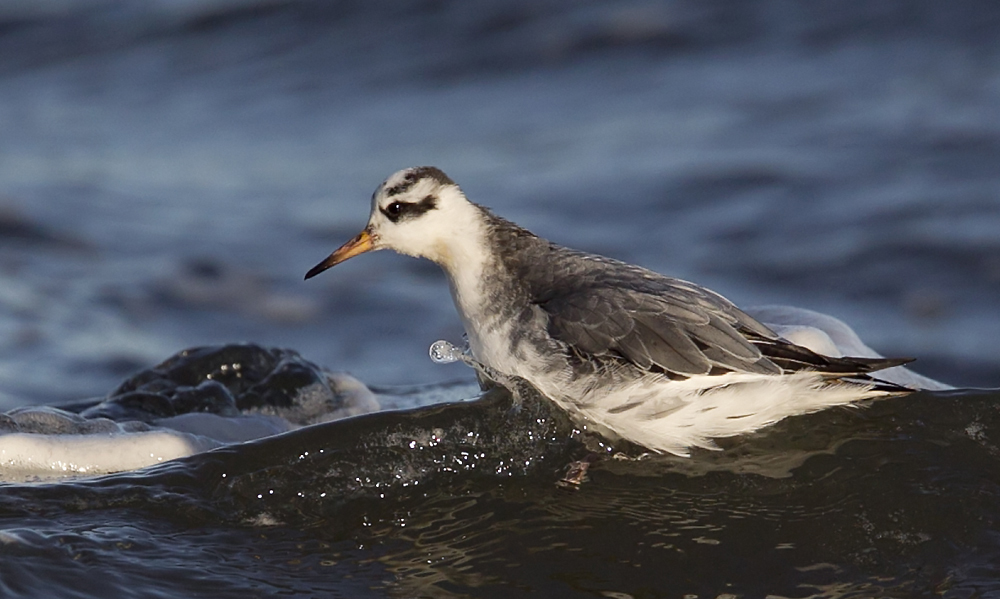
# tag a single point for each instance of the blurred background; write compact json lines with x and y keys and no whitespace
{"x":169,"y":169}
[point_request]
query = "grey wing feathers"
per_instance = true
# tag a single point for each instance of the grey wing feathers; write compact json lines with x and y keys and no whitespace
{"x":663,"y":324}
{"x":675,"y":328}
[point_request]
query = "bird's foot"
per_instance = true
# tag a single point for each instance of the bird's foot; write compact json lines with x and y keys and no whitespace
{"x":576,"y":472}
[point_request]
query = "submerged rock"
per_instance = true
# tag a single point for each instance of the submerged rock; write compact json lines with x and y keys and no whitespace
{"x":196,"y":400}
{"x":230,"y":380}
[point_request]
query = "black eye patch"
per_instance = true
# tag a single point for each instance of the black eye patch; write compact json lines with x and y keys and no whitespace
{"x":397,"y":211}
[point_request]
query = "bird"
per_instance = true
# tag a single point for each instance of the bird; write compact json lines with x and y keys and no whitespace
{"x":627,"y":352}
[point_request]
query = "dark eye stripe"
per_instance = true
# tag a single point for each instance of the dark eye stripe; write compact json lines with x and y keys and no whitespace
{"x":397,"y":211}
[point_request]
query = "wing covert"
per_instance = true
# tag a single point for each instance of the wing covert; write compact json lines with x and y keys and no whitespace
{"x":674,"y":327}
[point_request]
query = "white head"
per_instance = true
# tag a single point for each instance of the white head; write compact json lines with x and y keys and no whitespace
{"x":419,"y":212}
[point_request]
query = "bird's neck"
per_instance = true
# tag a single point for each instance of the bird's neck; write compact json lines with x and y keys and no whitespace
{"x":465,"y":257}
{"x":476,"y":269}
{"x":487,"y":291}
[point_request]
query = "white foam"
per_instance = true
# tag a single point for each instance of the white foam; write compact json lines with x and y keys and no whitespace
{"x":830,"y":336}
{"x":26,"y":456}
{"x":45,"y":443}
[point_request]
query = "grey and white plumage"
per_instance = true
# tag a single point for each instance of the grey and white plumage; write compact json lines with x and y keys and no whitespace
{"x":658,"y":361}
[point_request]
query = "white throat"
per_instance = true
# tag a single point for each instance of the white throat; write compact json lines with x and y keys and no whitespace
{"x":465,"y":258}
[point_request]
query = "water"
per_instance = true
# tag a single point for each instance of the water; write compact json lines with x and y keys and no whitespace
{"x":896,"y":499}
{"x":169,"y":171}
{"x":443,"y":352}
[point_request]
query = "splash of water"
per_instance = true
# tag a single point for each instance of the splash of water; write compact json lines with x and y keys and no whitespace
{"x":443,"y":352}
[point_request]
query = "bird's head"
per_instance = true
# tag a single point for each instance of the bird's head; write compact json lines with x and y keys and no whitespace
{"x":417,"y":211}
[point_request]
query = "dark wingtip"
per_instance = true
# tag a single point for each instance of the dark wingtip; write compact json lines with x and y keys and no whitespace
{"x":876,"y":364}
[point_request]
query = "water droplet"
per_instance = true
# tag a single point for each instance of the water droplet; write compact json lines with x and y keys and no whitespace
{"x":443,"y":352}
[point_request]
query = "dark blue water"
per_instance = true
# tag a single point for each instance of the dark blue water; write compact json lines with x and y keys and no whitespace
{"x":894,"y":500}
{"x":168,"y":172}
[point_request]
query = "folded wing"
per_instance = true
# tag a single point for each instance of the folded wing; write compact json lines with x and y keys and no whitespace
{"x":662,"y":324}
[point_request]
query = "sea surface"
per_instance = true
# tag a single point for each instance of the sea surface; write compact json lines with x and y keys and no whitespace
{"x":169,"y":170}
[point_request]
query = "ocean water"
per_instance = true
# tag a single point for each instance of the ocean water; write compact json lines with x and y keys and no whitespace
{"x":469,"y":499}
{"x":170,"y":170}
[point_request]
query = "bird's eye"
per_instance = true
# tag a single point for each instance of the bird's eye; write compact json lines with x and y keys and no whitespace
{"x":394,"y":209}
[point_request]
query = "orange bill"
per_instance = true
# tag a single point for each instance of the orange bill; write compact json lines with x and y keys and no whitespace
{"x":359,"y":245}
